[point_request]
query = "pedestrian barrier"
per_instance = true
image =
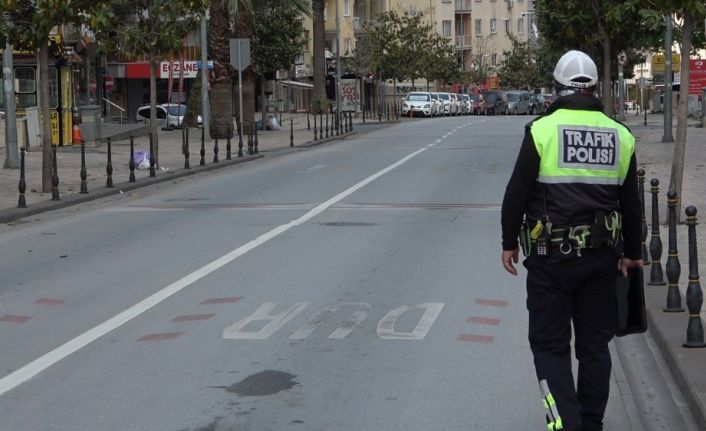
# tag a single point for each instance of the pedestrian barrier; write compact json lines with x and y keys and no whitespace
{"x":641,"y":191}
{"x":108,"y":165}
{"x":694,"y":295}
{"x":656,"y":275}
{"x":673,"y":267}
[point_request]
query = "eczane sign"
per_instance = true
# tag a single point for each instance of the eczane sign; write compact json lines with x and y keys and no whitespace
{"x":189,"y":71}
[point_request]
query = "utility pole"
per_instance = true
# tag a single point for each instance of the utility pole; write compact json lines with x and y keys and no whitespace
{"x":11,"y":155}
{"x":205,"y":118}
{"x":338,"y":66}
{"x":667,"y":136}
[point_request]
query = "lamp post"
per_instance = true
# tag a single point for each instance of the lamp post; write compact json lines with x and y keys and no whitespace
{"x":11,"y":156}
{"x":338,"y":66}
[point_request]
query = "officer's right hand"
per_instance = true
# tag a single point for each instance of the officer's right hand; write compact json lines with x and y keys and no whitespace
{"x":508,"y":257}
{"x":626,"y":264}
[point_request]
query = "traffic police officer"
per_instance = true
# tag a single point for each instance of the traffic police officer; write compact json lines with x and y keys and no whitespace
{"x":573,"y":202}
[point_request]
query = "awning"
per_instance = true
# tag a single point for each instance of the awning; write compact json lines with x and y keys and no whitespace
{"x":298,"y":84}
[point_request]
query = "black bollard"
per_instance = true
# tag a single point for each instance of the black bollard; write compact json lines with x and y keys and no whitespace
{"x":364,"y":114}
{"x":315,"y":131}
{"x":202,"y":162}
{"x":694,"y":295}
{"x":656,"y":275}
{"x":240,"y":139}
{"x":641,"y":191}
{"x":337,"y":123}
{"x":308,"y":124}
{"x":291,"y":132}
{"x":230,"y":132}
{"x":327,"y":125}
{"x":84,"y":174}
{"x":131,"y":163}
{"x":321,"y":125}
{"x":153,"y":173}
{"x":673,"y":267}
{"x":397,"y":111}
{"x":185,"y":148}
{"x":350,"y":121}
{"x":215,"y":150}
{"x":108,"y":165}
{"x":248,"y":130}
{"x":21,"y":202}
{"x":54,"y":176}
{"x":256,"y":150}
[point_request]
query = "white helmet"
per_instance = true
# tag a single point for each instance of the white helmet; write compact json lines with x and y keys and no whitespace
{"x":575,"y":69}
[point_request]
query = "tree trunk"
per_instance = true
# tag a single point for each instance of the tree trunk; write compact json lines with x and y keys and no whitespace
{"x":154,"y":123}
{"x":221,"y":82}
{"x":45,"y":115}
{"x":263,"y":102}
{"x":607,"y":83}
{"x":675,"y":181}
{"x":319,"y":49}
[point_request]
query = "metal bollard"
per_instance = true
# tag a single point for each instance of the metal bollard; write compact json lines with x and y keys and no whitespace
{"x":108,"y":165}
{"x":327,"y":125}
{"x":230,"y":132}
{"x":248,"y":130}
{"x":315,"y":130}
{"x":673,"y":267}
{"x":202,"y":162}
{"x":153,"y":173}
{"x":54,"y":176}
{"x":321,"y":125}
{"x":84,"y":174}
{"x":641,"y":191}
{"x":694,"y":295}
{"x":656,"y":276}
{"x":255,"y":144}
{"x":185,"y":148}
{"x":131,"y":163}
{"x":291,"y":132}
{"x":21,"y":201}
{"x":308,"y":123}
{"x":215,"y":150}
{"x":240,"y":140}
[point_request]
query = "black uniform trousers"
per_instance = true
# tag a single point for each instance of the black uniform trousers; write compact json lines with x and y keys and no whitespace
{"x":565,"y":289}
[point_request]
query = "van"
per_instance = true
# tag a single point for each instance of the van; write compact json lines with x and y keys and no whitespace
{"x":518,"y":101}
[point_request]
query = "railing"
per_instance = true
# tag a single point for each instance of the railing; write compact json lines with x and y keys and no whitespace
{"x":463,"y":41}
{"x":121,"y":109}
{"x":463,"y":5}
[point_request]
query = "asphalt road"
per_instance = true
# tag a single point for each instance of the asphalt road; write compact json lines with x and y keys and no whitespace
{"x":355,"y":286}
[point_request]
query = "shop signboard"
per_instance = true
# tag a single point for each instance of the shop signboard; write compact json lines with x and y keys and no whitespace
{"x":697,"y":76}
{"x":350,"y":95}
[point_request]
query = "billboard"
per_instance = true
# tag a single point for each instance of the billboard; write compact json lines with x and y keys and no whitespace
{"x":697,"y":76}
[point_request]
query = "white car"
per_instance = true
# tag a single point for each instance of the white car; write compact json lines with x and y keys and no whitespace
{"x":437,"y":107}
{"x":466,"y":100}
{"x":450,"y":107}
{"x":169,"y":115}
{"x":417,"y":103}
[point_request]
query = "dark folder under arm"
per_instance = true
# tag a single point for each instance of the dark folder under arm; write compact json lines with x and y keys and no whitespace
{"x":632,"y":317}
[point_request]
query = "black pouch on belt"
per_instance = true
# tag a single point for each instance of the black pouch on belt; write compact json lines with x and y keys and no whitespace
{"x":600,"y":235}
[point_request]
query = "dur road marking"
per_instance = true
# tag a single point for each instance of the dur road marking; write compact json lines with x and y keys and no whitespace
{"x":26,"y":372}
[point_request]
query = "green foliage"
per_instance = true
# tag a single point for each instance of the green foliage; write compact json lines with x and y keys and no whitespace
{"x":519,"y":68}
{"x":277,"y":38}
{"x":406,"y":48}
{"x":155,"y":28}
{"x":33,"y":20}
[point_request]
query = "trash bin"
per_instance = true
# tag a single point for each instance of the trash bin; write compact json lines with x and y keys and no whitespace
{"x":91,"y":124}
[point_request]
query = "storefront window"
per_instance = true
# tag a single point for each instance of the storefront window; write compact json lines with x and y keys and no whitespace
{"x":25,"y":87}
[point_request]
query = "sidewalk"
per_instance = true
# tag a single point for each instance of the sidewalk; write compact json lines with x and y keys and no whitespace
{"x":669,"y":329}
{"x":171,"y":163}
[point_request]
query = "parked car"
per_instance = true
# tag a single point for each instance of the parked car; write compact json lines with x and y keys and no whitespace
{"x":537,"y":106}
{"x":417,"y":103}
{"x":437,"y":106}
{"x":449,"y":104}
{"x":455,"y":101}
{"x":495,"y":102}
{"x":477,"y":104}
{"x":466,"y":100}
{"x":517,"y":101}
{"x":548,"y":99}
{"x":169,"y":115}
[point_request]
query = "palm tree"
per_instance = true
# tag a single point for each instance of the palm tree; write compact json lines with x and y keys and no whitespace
{"x":233,"y":18}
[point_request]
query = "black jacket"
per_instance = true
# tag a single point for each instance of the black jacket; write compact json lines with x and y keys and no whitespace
{"x":569,"y":204}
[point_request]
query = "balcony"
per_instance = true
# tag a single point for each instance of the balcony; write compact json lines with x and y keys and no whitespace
{"x":463,"y":5}
{"x":463,"y":41}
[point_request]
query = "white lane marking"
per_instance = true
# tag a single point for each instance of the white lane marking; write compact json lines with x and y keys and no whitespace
{"x":386,"y":326}
{"x":430,"y":145}
{"x":437,"y":141}
{"x":45,"y":361}
{"x":263,"y":314}
{"x":361,"y":312}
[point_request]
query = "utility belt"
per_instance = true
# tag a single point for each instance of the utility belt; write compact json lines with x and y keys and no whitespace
{"x":543,"y":237}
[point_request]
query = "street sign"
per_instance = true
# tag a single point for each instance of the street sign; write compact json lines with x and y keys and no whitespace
{"x":240,"y":53}
{"x":92,"y":85}
{"x":658,"y":61}
{"x":108,"y":82}
{"x":622,"y":57}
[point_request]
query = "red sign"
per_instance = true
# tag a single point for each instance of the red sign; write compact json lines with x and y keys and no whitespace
{"x":697,"y":76}
{"x":92,"y":85}
{"x":108,"y":81}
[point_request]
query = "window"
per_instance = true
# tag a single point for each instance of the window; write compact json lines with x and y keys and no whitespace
{"x":325,"y":12}
{"x":507,"y":25}
{"x":520,"y":25}
{"x":493,"y":25}
{"x":25,"y":87}
{"x":478,"y":27}
{"x":446,"y":28}
{"x":347,"y":51}
{"x":494,"y":59}
{"x":306,"y":40}
{"x":346,"y":7}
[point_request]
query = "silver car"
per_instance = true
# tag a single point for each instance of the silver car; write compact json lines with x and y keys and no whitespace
{"x":518,"y":102}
